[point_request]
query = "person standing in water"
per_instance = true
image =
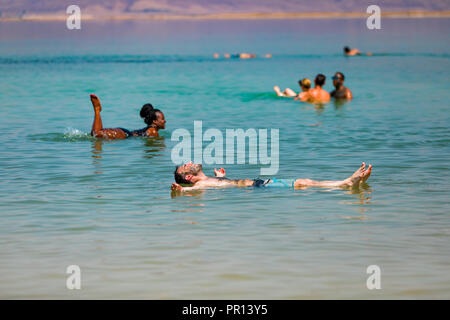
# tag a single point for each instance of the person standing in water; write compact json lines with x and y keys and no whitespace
{"x":340,"y":92}
{"x":317,"y":95}
{"x":154,"y":119}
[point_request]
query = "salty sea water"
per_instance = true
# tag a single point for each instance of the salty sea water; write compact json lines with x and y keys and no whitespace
{"x":106,"y":206}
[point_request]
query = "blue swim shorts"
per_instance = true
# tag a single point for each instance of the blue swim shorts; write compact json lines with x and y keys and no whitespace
{"x":289,"y":183}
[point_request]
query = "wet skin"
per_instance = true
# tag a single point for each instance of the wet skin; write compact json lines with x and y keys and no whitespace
{"x":352,"y":52}
{"x":316,"y":95}
{"x":340,"y":91}
{"x":194,"y":174}
{"x":98,"y":131}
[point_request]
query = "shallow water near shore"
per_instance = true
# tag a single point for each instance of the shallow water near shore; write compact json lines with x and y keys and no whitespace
{"x":66,"y":198}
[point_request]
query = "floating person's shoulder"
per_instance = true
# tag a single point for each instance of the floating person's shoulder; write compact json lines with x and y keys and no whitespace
{"x":355,"y":52}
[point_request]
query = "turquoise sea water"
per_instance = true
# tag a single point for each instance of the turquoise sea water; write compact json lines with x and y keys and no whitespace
{"x":106,"y":206}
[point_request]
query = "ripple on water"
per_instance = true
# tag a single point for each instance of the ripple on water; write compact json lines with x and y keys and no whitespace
{"x":69,"y":135}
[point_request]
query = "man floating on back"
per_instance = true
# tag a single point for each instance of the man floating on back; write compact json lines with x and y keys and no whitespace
{"x":192,"y":174}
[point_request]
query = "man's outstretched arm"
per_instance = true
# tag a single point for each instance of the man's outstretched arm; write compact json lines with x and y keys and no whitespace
{"x":177,"y":187}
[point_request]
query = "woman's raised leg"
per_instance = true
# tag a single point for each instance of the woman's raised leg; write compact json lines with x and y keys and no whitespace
{"x":97,"y":127}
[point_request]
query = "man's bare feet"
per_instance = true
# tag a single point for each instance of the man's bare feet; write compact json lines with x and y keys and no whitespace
{"x":367,"y":173}
{"x":360,"y":175}
{"x":96,"y":103}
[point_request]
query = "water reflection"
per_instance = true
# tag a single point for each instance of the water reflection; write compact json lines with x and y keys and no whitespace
{"x":339,"y":103}
{"x":319,"y":107}
{"x":153,"y":147}
{"x":97,"y":151}
{"x":361,"y":198}
{"x":197,"y":194}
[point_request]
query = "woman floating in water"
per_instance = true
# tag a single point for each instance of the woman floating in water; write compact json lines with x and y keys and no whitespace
{"x":154,"y":119}
{"x":354,"y":52}
{"x":305,"y":85}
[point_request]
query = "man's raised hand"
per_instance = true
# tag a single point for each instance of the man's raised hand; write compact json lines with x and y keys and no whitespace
{"x":219,"y":173}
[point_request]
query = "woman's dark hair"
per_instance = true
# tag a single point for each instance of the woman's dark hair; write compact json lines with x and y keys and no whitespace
{"x":148,"y":113}
{"x":346,"y":49}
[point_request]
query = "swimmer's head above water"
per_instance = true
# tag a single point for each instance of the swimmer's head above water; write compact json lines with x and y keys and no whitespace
{"x":153,"y":117}
{"x":351,"y":52}
{"x":338,"y":79}
{"x":320,"y":80}
{"x":305,"y":84}
{"x":341,"y":92}
{"x":188,"y":173}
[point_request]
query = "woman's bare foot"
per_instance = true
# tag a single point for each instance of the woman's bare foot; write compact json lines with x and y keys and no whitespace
{"x":278,"y":91}
{"x":360,"y":175}
{"x":96,"y":103}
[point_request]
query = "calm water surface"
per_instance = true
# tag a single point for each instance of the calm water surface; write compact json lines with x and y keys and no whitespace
{"x":106,"y":205}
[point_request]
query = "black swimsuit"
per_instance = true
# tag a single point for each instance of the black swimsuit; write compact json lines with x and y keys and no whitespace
{"x":136,"y":133}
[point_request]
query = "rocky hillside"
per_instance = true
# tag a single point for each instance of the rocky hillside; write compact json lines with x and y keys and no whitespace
{"x":117,"y":7}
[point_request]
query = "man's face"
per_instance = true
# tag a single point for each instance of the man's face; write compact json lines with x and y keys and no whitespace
{"x":190,"y":168}
{"x":337,"y":80}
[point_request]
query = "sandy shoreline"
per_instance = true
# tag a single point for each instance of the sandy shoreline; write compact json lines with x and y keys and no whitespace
{"x":234,"y":16}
